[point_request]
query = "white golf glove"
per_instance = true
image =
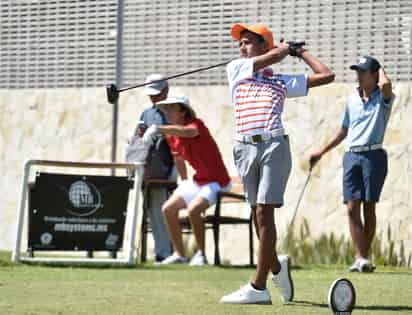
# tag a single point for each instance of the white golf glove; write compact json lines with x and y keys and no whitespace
{"x":150,"y":134}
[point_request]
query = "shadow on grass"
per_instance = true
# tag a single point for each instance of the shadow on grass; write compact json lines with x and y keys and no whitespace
{"x":152,"y":266}
{"x":308,"y":304}
{"x":5,"y":261}
{"x":394,"y":308}
{"x":249,"y":267}
{"x":384,"y":308}
{"x":407,"y":273}
{"x":76,"y":265}
{"x":236,"y":266}
{"x":176,"y":267}
{"x":108,"y":266}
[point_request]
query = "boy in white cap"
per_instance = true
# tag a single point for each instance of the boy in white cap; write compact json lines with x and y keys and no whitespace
{"x":189,"y":139}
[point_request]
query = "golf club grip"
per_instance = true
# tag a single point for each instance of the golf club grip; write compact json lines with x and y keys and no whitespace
{"x":174,"y":76}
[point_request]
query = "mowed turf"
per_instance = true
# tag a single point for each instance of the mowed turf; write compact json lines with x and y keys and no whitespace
{"x":147,"y":289}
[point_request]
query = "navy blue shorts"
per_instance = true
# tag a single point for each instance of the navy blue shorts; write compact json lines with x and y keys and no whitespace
{"x":364,"y":174}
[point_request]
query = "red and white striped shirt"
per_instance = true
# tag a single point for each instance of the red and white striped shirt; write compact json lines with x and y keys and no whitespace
{"x":258,"y":98}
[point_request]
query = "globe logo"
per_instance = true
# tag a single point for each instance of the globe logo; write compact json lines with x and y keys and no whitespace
{"x":80,"y":194}
{"x":84,"y":198}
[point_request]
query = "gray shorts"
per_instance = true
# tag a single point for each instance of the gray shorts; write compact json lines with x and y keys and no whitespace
{"x":264,"y":169}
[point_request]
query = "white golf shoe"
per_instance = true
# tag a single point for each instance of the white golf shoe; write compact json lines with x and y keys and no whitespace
{"x":199,"y":259}
{"x":283,"y":280}
{"x":355,"y":267}
{"x":247,"y":295}
{"x":362,"y":265}
{"x":174,"y":259}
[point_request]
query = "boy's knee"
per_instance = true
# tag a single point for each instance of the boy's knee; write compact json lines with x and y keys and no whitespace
{"x":194,"y":212}
{"x":353,"y":213}
{"x":259,"y":216}
{"x":369,"y":208}
{"x":353,"y":209}
{"x":168,"y":209}
{"x":264,"y":215}
{"x":165,"y":210}
{"x":369,"y":214}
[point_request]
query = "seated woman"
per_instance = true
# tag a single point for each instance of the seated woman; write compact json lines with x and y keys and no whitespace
{"x":190,"y":140}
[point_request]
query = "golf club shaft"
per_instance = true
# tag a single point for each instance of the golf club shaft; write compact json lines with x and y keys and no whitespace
{"x":301,"y":196}
{"x":174,"y":76}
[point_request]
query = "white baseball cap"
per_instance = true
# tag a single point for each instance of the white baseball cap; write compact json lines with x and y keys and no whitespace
{"x":157,"y":87}
{"x":178,"y":99}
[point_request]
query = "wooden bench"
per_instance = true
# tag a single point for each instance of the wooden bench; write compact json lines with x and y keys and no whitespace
{"x":212,"y":221}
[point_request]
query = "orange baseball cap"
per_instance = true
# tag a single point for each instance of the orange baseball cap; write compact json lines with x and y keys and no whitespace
{"x":259,"y":29}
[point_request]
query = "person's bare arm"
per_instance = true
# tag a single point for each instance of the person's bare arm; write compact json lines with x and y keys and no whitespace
{"x":275,"y":55}
{"x":180,"y":131}
{"x":336,"y":140}
{"x":322,"y":74}
{"x":180,"y":166}
{"x":385,"y":85}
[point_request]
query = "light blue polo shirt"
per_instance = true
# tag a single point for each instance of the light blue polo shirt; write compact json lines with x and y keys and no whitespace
{"x":366,"y":121}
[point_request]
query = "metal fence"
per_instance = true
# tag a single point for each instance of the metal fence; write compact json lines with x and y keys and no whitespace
{"x":73,"y":43}
{"x":61,"y":43}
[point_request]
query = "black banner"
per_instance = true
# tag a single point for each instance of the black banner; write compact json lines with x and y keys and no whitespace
{"x":77,"y":212}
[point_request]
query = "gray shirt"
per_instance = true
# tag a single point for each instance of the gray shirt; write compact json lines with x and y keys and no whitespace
{"x":153,"y":116}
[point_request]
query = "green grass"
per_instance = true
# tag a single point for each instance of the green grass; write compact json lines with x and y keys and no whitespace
{"x":147,"y":289}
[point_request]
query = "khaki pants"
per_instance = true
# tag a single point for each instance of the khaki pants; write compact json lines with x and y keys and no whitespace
{"x":264,"y":169}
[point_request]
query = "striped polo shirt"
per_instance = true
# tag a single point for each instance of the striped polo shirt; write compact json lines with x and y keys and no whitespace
{"x":258,"y":97}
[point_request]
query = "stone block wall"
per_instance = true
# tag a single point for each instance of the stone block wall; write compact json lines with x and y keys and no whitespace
{"x":73,"y":124}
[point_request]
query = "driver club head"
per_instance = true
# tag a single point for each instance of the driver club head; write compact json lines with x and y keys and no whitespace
{"x":112,"y":93}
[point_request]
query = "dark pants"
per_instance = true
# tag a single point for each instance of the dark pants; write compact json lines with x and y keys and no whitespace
{"x":364,"y":174}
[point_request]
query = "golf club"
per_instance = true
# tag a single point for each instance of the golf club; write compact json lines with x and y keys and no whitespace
{"x":113,"y":92}
{"x":301,"y":196}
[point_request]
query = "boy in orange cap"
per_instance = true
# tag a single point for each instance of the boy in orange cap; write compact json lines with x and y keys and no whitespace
{"x":261,"y":150}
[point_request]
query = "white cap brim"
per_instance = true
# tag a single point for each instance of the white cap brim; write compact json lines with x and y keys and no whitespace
{"x":183,"y":100}
{"x":174,"y":100}
{"x":152,"y":91}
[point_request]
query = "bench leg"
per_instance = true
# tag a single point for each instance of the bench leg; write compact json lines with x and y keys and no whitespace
{"x":216,"y":238}
{"x":216,"y":227}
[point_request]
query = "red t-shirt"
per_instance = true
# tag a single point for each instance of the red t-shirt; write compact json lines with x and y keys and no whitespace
{"x":202,"y":153}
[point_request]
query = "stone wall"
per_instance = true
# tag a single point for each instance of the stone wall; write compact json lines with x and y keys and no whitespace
{"x":71,"y":124}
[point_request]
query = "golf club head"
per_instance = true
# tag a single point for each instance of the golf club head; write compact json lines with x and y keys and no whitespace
{"x":112,"y":93}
